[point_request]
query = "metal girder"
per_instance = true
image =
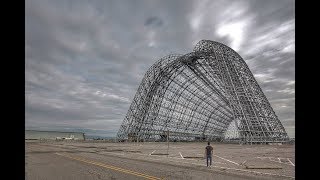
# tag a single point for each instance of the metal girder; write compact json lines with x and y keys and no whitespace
{"x":209,"y":94}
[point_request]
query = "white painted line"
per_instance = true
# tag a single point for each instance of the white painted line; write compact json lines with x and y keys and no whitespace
{"x":122,"y":154}
{"x":226,"y":168}
{"x":152,"y":152}
{"x":275,"y":161}
{"x":243,"y":162}
{"x":161,"y":159}
{"x":278,"y":160}
{"x":243,"y":170}
{"x":227,"y":160}
{"x":290,"y":162}
{"x":181,"y":155}
{"x":218,"y":162}
{"x":261,"y":157}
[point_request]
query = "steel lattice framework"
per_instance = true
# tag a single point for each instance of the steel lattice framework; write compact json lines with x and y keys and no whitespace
{"x":208,"y":94}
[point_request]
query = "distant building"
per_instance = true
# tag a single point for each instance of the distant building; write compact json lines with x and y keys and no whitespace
{"x":53,"y":135}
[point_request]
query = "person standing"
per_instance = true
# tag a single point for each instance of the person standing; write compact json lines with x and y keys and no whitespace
{"x":208,"y":154}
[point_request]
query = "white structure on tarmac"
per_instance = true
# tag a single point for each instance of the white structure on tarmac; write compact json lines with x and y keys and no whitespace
{"x":53,"y":135}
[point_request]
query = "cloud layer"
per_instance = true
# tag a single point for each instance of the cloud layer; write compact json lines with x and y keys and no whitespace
{"x":85,"y":59}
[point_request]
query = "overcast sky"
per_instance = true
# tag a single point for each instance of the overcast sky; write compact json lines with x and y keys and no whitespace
{"x":86,"y":59}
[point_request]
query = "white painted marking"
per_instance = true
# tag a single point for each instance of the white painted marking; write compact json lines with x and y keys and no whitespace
{"x":263,"y":157}
{"x":273,"y":159}
{"x":243,"y":170}
{"x":181,"y":155}
{"x":243,"y":162}
{"x":235,"y":169}
{"x":122,"y":154}
{"x":290,"y":162}
{"x":227,"y":160}
{"x":218,"y":162}
{"x":152,"y":152}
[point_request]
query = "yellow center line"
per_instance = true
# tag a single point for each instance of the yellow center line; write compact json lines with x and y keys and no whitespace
{"x":110,"y":167}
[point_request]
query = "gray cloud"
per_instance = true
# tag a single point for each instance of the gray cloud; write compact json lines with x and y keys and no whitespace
{"x":153,"y":21}
{"x":85,"y":59}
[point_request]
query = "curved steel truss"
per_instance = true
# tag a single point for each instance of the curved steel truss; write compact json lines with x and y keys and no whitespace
{"x":208,"y":94}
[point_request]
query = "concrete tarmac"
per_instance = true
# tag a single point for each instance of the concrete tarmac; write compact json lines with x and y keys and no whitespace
{"x":63,"y":161}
